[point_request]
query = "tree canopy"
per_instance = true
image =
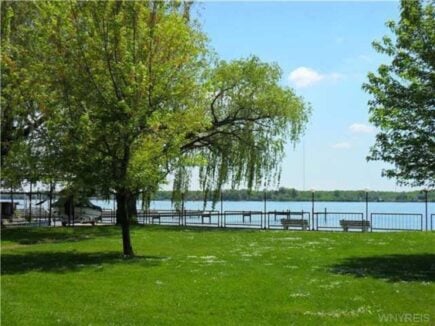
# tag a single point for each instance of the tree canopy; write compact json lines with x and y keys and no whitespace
{"x":251,"y":117}
{"x":129,"y":93}
{"x":19,"y":111}
{"x":403,"y":102}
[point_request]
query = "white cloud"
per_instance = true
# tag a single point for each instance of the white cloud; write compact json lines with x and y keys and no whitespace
{"x":360,"y":128}
{"x":305,"y":77}
{"x":342,"y":145}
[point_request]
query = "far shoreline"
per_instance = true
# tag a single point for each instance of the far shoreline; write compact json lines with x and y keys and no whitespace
{"x":284,"y":201}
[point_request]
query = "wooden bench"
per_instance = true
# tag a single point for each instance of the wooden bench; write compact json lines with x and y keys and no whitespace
{"x":286,"y":223}
{"x":363,"y":225}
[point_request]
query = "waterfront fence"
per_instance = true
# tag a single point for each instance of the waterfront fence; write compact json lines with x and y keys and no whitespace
{"x":396,"y":222}
{"x":299,"y":220}
{"x":246,"y":219}
{"x":333,"y":221}
{"x":274,"y":220}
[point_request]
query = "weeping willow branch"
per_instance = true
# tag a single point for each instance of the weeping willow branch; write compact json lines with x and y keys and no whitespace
{"x":252,"y":117}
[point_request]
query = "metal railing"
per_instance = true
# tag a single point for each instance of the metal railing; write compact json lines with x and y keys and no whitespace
{"x":274,"y":220}
{"x":345,"y":221}
{"x":108,"y":216}
{"x":166,"y":217}
{"x":396,"y":222}
{"x":36,"y":217}
{"x":202,"y":218}
{"x":248,"y":219}
{"x":288,"y":219}
{"x":432,"y":222}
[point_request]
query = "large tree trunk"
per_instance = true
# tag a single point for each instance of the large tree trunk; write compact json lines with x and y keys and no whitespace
{"x":69,"y":209}
{"x":122,"y":217}
{"x":132,"y":210}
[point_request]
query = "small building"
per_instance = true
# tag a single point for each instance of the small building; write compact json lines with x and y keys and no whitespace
{"x":7,"y":208}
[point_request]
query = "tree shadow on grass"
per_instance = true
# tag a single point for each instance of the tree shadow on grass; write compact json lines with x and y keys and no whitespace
{"x":27,"y":236}
{"x":394,"y":268}
{"x":62,"y":262}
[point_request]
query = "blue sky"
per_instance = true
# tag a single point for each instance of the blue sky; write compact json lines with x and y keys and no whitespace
{"x":325,"y":52}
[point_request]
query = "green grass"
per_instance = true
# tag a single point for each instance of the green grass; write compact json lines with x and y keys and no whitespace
{"x":215,"y":277}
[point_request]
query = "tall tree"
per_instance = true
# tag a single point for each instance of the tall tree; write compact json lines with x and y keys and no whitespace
{"x":403,"y":102}
{"x":129,"y":94}
{"x":124,"y":80}
{"x":251,"y":117}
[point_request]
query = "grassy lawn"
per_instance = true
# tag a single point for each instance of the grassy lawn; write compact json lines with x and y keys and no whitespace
{"x":206,"y":277}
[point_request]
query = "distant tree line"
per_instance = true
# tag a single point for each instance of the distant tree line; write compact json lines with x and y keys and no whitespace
{"x":291,"y":194}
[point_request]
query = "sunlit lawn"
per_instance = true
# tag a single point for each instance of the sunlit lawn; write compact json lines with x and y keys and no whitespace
{"x":206,"y":277}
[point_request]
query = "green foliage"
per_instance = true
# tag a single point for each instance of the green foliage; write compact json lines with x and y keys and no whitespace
{"x":20,"y":117}
{"x":252,"y":117}
{"x":213,"y":277}
{"x":124,"y":88}
{"x":402,"y":104}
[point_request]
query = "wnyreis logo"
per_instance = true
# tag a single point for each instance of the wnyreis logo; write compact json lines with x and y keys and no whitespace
{"x":404,"y":318}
